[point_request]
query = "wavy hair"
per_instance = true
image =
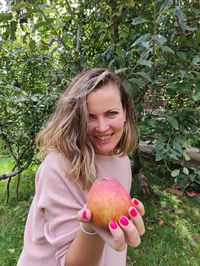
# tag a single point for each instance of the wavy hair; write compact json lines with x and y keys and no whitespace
{"x":66,"y":131}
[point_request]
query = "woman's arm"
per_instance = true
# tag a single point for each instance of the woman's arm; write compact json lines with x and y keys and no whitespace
{"x":85,"y":249}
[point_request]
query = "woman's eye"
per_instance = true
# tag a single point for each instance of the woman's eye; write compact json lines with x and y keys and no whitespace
{"x":91,"y":117}
{"x":112,"y":114}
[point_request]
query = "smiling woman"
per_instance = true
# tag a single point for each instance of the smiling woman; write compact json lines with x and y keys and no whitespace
{"x":106,"y":118}
{"x":87,"y":138}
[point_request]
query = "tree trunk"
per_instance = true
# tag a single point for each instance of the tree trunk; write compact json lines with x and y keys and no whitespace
{"x":140,"y":178}
{"x":147,"y":153}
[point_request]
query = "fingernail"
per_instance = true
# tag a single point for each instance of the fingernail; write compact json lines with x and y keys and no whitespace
{"x":133,"y":212}
{"x":124,"y":221}
{"x":85,"y":215}
{"x":113,"y":225}
{"x":135,"y":202}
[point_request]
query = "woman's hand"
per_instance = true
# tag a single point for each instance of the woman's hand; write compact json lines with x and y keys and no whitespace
{"x":128,"y":230}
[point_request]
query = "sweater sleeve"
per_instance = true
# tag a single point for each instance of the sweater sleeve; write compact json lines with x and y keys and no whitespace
{"x":59,"y":199}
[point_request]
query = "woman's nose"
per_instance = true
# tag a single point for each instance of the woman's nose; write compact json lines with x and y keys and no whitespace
{"x":102,"y":125}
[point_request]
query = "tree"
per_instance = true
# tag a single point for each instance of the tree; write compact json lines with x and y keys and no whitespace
{"x":153,"y":45}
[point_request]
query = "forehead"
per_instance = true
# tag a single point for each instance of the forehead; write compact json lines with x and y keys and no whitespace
{"x":104,"y":98}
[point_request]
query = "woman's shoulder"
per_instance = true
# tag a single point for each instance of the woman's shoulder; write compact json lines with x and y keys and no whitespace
{"x":53,"y":162}
{"x":55,"y":157}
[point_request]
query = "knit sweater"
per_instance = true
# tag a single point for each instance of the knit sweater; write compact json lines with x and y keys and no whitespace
{"x":52,"y":224}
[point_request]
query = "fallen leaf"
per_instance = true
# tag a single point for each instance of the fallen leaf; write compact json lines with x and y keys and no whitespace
{"x":191,"y":193}
{"x":177,"y":186}
{"x":161,"y":222}
{"x":175,"y":191}
{"x":11,"y":250}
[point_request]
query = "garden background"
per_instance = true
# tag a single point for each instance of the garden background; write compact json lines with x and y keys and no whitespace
{"x":154,"y":47}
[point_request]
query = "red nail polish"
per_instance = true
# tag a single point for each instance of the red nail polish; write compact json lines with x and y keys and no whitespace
{"x":85,"y":215}
{"x":135,"y":202}
{"x":124,"y":221}
{"x":113,"y":225}
{"x":133,"y":212}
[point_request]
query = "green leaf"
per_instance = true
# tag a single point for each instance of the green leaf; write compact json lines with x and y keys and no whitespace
{"x":185,"y":171}
{"x":196,"y":97}
{"x":43,"y":6}
{"x":173,"y":122}
{"x":159,"y":157}
{"x":173,"y":154}
{"x":196,"y":60}
{"x":167,"y":49}
{"x":13,"y":28}
{"x":21,"y":5}
{"x":16,"y":51}
{"x":144,"y":75}
{"x":175,"y":172}
{"x":186,"y":156}
{"x":177,"y":146}
{"x":138,"y":81}
{"x":137,"y":21}
{"x":160,"y":143}
{"x":5,"y":16}
{"x":145,"y":44}
{"x":32,"y":44}
{"x":190,"y":28}
{"x":181,"y":55}
{"x":165,"y":5}
{"x":145,"y":63}
{"x":197,"y":84}
{"x":183,"y":73}
{"x":121,"y":70}
{"x":143,"y":38}
{"x":161,"y":19}
{"x":159,"y":39}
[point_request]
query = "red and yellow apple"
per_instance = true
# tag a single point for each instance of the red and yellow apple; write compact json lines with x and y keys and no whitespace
{"x":108,"y":200}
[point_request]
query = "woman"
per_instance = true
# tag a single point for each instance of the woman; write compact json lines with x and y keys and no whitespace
{"x":88,"y":137}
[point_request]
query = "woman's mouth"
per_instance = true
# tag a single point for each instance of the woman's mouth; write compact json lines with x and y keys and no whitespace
{"x":103,"y":138}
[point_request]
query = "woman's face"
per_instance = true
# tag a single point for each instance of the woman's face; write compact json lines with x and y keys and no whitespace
{"x":106,"y":118}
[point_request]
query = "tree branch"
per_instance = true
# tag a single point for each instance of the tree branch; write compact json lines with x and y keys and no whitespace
{"x":54,"y":30}
{"x":14,"y":173}
{"x":9,"y":146}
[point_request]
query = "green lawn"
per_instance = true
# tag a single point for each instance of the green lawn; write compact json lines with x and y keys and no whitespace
{"x":172,"y":225}
{"x":172,"y":235}
{"x":13,"y":215}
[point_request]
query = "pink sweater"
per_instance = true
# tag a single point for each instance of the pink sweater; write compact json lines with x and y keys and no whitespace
{"x":52,"y":225}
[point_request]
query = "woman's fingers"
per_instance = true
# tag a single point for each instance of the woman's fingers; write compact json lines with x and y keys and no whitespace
{"x":139,"y":206}
{"x":118,"y":239}
{"x":134,"y":226}
{"x":137,"y":220}
{"x":132,"y":236}
{"x":114,"y":235}
{"x":84,"y":215}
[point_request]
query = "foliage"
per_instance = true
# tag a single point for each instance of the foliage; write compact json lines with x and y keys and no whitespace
{"x":153,"y":45}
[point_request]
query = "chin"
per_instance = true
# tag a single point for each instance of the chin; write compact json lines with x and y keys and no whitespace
{"x":107,"y":153}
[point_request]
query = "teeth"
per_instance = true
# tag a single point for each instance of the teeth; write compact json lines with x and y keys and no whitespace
{"x":104,"y":137}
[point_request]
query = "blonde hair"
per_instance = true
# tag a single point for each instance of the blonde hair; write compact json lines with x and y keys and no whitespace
{"x":66,"y":131}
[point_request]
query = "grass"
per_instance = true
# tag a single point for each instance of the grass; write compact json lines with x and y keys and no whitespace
{"x":172,"y":234}
{"x":13,"y":214}
{"x":172,"y":225}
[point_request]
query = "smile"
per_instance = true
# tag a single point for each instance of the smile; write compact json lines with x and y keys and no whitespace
{"x":103,"y":138}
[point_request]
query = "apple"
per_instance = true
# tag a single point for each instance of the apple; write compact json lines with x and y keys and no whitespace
{"x":107,"y":200}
